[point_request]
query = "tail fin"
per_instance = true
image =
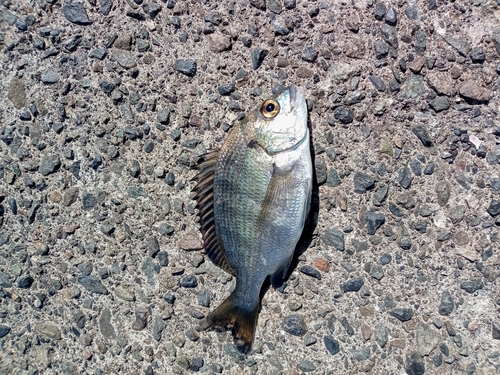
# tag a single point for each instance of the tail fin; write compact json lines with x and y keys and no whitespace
{"x":230,"y":315}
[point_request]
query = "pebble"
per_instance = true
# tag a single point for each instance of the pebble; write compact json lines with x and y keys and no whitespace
{"x":344,"y":115}
{"x":4,"y":330}
{"x":462,"y":46}
{"x":321,"y":170}
{"x":422,"y":134}
{"x":427,"y":339}
{"x":472,"y":91}
{"x":290,"y":4}
{"x":105,"y":326}
{"x":335,"y":238}
{"x":495,"y":330}
{"x":76,"y":13}
{"x":187,"y":67}
{"x":404,"y":177}
{"x":374,"y":220}
{"x":381,"y":49}
{"x":447,"y":304}
{"x":141,"y":319}
{"x":25,"y":282}
{"x":378,"y":83}
{"x":5,"y":281}
{"x":333,"y":179}
{"x":353,"y":285}
{"x":49,"y":330}
{"x":105,"y":6}
{"x":294,"y":325}
{"x":385,"y":259}
{"x":92,"y":284}
{"x":17,"y":92}
{"x":380,"y":10}
{"x":415,"y":365}
{"x":472,"y":286}
{"x":494,"y":207}
{"x":125,"y":293}
{"x":219,"y":42}
{"x":332,"y":345}
{"x":381,"y":335}
{"x":402,"y":314}
{"x":440,"y":103}
{"x":363,"y":182}
{"x":309,"y":54}
{"x":306,"y":366}
{"x":413,"y":12}
{"x":189,"y":281}
{"x":391,"y":16}
{"x":190,"y":242}
{"x":310,"y":271}
{"x":258,"y":55}
{"x":50,"y":76}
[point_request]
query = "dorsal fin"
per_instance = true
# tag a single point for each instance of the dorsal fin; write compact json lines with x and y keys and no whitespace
{"x":204,"y":197}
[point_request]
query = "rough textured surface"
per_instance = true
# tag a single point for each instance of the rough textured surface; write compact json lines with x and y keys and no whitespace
{"x":106,"y":106}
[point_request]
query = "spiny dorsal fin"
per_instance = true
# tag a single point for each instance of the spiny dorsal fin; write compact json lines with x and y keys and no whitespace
{"x":204,"y":197}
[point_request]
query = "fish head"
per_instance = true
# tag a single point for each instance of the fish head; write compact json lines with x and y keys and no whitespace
{"x":281,"y":121}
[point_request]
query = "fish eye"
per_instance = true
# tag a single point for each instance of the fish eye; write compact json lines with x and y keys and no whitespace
{"x":270,"y":109}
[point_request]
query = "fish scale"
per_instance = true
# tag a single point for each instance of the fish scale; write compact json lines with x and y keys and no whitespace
{"x":253,"y":198}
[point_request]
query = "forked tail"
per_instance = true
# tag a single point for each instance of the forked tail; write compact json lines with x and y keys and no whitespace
{"x":242,"y":322}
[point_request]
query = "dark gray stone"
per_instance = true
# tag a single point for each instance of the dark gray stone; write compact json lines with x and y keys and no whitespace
{"x":495,"y":330}
{"x":294,"y":325}
{"x":385,"y":258}
{"x":309,"y":54}
{"x":353,"y":285}
{"x":106,"y":87}
{"x":413,"y":12}
{"x":334,"y":237}
{"x":186,"y":66}
{"x":5,"y":281}
{"x":92,"y":284}
{"x":402,"y":314}
{"x":76,"y":13}
{"x":389,"y":35}
{"x":258,"y":55}
{"x":380,"y":10}
{"x":462,"y":46}
{"x":153,"y":246}
{"x":477,"y":55}
{"x":141,"y":319}
{"x":4,"y":330}
{"x":447,"y":304}
{"x":158,"y":326}
{"x":344,"y":115}
{"x":381,"y":49}
{"x":415,"y":365}
{"x":404,"y":177}
{"x":189,"y":282}
{"x":391,"y":17}
{"x":374,"y":220}
{"x":105,"y":6}
{"x":429,"y":169}
{"x":105,"y":325}
{"x":332,"y":345}
{"x":416,"y":167}
{"x":440,"y":103}
{"x":471,"y":286}
{"x":204,"y":298}
{"x":362,"y":182}
{"x":226,"y":89}
{"x":421,"y":132}
{"x":50,"y":76}
{"x":290,"y":4}
{"x":380,"y":195}
{"x":321,"y":170}
{"x":333,"y":179}
{"x":310,"y":271}
{"x":25,"y":282}
{"x":494,"y":207}
{"x":378,"y":83}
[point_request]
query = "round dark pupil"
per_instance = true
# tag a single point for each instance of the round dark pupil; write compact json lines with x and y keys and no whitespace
{"x":270,"y":107}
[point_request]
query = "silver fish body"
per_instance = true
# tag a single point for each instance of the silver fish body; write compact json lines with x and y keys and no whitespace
{"x":253,"y":211}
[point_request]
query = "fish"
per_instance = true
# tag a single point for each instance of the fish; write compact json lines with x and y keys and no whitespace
{"x":253,"y":198}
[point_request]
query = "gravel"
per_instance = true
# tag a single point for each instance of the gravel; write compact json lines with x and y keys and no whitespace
{"x":107,"y":108}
